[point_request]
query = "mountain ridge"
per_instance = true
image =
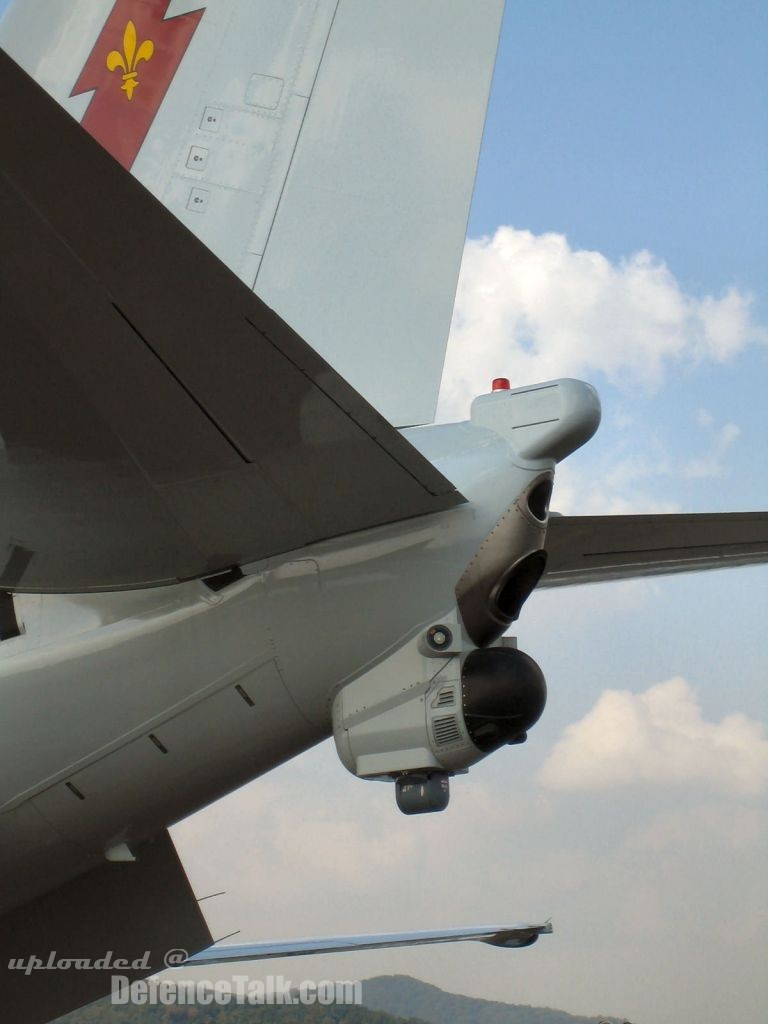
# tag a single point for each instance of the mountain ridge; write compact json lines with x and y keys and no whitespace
{"x":403,"y":996}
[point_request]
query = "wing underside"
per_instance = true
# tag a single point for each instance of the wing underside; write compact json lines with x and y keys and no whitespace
{"x":157,"y":420}
{"x":131,"y":912}
{"x":591,"y":549}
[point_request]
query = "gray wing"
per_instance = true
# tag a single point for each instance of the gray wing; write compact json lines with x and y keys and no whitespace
{"x":588,"y":549}
{"x":157,"y":420}
{"x":135,"y":911}
{"x":506,"y":936}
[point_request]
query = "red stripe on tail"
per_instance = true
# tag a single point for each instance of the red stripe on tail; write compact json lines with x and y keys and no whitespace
{"x":131,"y":72}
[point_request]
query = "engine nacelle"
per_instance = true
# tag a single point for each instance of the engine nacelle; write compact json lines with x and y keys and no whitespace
{"x":430,"y":721}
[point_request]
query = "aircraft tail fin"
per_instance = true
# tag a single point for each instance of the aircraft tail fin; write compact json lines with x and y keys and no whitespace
{"x":325,"y":150}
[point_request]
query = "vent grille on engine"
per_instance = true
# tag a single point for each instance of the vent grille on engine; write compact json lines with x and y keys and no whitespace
{"x":445,"y":698}
{"x":446,"y":730}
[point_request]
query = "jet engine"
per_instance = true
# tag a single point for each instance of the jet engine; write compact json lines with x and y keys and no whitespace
{"x":446,"y":699}
{"x":420,"y":733}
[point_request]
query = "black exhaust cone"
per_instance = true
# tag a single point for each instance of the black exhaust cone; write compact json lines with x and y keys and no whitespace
{"x":503,"y":695}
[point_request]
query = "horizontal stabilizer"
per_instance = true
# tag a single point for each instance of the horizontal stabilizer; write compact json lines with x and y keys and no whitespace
{"x":506,"y":936}
{"x":589,"y":549}
{"x":157,"y":420}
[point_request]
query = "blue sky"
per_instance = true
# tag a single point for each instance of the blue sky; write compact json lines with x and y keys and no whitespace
{"x":630,"y":126}
{"x":634,"y":125}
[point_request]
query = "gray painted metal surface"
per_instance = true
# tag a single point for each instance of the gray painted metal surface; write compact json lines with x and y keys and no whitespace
{"x":325,"y":151}
{"x":158,"y":420}
{"x":377,"y":198}
{"x":154,"y":904}
{"x":108,"y":699}
{"x":221,"y":672}
{"x":590,"y":549}
{"x":512,"y":936}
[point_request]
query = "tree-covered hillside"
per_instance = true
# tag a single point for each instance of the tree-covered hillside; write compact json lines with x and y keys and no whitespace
{"x":394,"y":999}
{"x":404,"y":996}
{"x":104,"y":1013}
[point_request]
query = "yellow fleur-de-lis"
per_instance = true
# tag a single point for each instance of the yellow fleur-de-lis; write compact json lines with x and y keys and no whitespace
{"x":129,"y":59}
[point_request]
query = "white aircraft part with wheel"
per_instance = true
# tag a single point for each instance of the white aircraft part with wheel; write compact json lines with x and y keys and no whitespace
{"x":228,"y":528}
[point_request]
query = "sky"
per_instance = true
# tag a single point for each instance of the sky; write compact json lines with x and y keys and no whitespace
{"x":619,"y":232}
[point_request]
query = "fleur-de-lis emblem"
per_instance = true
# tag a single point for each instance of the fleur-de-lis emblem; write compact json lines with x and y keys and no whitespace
{"x":129,"y":59}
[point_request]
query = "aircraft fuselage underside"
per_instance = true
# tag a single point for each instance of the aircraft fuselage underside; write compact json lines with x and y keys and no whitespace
{"x":158,"y":701}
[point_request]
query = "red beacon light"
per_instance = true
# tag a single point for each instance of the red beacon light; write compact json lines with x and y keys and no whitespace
{"x":500,"y":384}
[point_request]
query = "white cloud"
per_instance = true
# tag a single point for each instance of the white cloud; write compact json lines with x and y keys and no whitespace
{"x":658,"y":738}
{"x":630,"y":481}
{"x":711,"y":465}
{"x":704,"y":418}
{"x":531,"y":308}
{"x":728,"y":825}
{"x":609,"y":493}
{"x":726,"y":325}
{"x":309,"y":850}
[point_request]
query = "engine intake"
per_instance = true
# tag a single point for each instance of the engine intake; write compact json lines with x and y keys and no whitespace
{"x":419,"y":733}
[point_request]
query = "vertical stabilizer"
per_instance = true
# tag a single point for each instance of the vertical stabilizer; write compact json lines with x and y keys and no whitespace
{"x":325,"y":150}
